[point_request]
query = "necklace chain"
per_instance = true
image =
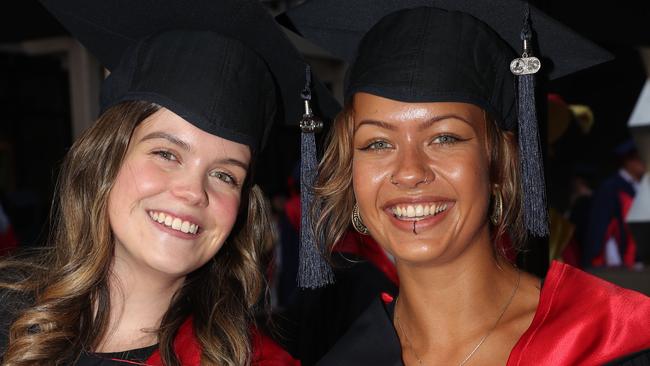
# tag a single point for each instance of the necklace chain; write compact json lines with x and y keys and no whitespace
{"x":480,"y":343}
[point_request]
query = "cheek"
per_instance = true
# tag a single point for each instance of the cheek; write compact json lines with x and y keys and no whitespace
{"x":469,"y":175}
{"x":224,"y":208}
{"x":139,"y":177}
{"x":367,"y":176}
{"x":145,"y":176}
{"x":466,"y":167}
{"x":136,"y":180}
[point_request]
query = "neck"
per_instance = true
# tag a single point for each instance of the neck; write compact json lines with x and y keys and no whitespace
{"x":138,"y":301}
{"x":452,"y":300}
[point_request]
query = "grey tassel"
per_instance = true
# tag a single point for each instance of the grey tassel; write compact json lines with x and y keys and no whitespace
{"x":530,"y":153}
{"x":531,"y":161}
{"x":313,"y":269}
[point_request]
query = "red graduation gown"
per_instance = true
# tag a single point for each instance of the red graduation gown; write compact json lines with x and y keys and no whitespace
{"x":583,"y":320}
{"x":580,"y":321}
{"x":265,"y":351}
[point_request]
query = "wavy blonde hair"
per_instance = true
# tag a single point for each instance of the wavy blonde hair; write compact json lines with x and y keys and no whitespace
{"x":68,"y":283}
{"x":334,"y":196}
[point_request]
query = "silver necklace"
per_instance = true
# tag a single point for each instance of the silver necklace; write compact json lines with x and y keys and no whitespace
{"x":480,"y":343}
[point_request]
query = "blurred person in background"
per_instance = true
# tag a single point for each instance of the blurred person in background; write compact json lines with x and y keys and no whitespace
{"x":608,"y":241}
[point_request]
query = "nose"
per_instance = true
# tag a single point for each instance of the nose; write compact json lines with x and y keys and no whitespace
{"x":412,"y":169}
{"x":190,"y":188}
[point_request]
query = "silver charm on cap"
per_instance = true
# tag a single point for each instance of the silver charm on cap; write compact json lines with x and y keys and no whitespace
{"x":526,"y":64}
{"x":309,"y":122}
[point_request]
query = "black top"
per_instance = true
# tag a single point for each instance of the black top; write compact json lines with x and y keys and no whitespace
{"x":11,"y":304}
{"x":138,"y":355}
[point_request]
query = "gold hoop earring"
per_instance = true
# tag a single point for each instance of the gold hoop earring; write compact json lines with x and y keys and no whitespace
{"x":357,"y":222}
{"x":497,"y":208}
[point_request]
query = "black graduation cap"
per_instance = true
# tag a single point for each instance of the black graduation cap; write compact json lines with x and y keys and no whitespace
{"x":225,"y":66}
{"x":474,"y":51}
{"x":339,"y":26}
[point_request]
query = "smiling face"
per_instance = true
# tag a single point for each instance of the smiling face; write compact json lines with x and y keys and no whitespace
{"x":421,"y":176}
{"x":176,"y":196}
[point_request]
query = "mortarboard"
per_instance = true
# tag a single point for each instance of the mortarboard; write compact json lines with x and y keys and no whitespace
{"x":479,"y":52}
{"x":225,"y":66}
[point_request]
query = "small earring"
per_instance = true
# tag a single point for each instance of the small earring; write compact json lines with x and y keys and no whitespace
{"x":357,"y":223}
{"x":497,"y":208}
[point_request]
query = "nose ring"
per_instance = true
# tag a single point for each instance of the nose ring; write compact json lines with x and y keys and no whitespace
{"x":392,"y":179}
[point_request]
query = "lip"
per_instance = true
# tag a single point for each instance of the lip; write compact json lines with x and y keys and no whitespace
{"x":173,"y":232}
{"x":410,"y":225}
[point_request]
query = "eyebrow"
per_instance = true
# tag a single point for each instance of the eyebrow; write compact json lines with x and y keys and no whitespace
{"x":235,"y":162}
{"x":373,"y":122}
{"x":171,"y":138}
{"x":423,"y":126}
{"x":185,"y":146}
{"x":435,"y":119}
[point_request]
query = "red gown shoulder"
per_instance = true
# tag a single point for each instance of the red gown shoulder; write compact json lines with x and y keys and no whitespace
{"x":583,"y":320}
{"x":268,"y":353}
{"x":265,"y":351}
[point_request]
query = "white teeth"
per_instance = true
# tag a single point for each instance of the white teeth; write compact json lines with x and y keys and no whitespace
{"x":410,"y":211}
{"x":419,"y":210}
{"x":174,"y":222}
